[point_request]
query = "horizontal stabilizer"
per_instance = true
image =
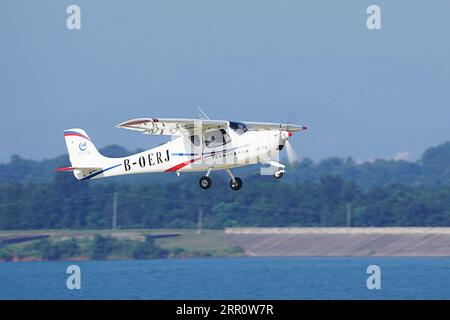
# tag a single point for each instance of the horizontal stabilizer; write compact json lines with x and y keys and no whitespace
{"x":78,"y":168}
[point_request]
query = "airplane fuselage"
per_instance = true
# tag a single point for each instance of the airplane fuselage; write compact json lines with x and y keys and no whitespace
{"x":182,"y":155}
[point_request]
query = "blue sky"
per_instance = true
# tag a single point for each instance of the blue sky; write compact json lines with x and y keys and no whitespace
{"x":365,"y":94}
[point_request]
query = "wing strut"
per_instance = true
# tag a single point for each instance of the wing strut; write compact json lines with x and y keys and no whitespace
{"x":202,"y":114}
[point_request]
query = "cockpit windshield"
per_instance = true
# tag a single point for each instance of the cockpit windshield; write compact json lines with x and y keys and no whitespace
{"x":238,"y":127}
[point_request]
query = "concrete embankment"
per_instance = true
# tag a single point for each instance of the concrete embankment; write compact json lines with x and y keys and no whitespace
{"x":341,"y":241}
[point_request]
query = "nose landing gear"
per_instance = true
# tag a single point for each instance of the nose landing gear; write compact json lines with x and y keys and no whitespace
{"x":279,"y":174}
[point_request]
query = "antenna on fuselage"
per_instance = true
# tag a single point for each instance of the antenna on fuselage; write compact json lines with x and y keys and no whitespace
{"x":202,"y":114}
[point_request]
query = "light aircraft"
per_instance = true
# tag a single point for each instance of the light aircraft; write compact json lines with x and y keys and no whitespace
{"x":197,"y":145}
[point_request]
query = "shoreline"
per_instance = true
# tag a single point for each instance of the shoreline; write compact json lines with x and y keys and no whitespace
{"x":238,"y":242}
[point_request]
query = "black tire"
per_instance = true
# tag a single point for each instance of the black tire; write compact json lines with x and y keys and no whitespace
{"x":205,"y":182}
{"x":237,"y":184}
{"x":278,"y":175}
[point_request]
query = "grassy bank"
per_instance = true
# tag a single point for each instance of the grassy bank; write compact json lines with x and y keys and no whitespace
{"x":117,"y":244}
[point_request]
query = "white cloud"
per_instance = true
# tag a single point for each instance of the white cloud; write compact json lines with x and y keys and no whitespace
{"x":404,"y":155}
{"x":371,"y":160}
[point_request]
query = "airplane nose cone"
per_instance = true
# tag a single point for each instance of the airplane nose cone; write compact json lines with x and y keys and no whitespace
{"x":284,"y":135}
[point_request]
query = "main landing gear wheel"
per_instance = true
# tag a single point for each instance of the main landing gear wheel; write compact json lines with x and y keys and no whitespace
{"x":278,"y":174}
{"x":205,"y":182}
{"x":236,"y":184}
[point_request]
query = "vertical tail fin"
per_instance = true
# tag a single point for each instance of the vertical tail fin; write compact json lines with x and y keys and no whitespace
{"x":83,"y":155}
{"x":82,"y":152}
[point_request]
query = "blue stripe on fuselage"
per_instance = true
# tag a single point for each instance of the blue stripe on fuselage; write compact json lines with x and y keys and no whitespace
{"x":99,"y":172}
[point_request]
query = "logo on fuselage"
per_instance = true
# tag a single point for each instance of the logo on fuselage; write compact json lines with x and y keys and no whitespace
{"x":82,"y":146}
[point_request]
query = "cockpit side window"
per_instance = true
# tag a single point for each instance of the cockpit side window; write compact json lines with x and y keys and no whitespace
{"x":238,"y":127}
{"x":195,"y":140}
{"x":216,"y":138}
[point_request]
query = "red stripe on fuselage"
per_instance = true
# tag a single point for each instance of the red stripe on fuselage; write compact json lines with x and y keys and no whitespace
{"x":64,"y":169}
{"x":181,"y":165}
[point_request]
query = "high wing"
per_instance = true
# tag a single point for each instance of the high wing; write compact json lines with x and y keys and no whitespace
{"x":172,"y":127}
{"x":180,"y":127}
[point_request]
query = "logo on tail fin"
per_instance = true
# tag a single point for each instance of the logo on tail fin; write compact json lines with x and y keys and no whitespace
{"x":82,"y":146}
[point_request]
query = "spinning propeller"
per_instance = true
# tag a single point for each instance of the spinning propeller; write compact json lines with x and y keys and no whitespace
{"x":292,"y":156}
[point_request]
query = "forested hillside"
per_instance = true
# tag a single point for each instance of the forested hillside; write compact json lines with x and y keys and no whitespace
{"x":380,"y":193}
{"x":433,"y":169}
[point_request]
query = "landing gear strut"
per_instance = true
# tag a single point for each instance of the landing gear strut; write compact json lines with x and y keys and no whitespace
{"x":235,"y":182}
{"x":205,"y":181}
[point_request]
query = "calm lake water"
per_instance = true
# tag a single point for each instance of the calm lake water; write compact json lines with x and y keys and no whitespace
{"x":237,"y":278}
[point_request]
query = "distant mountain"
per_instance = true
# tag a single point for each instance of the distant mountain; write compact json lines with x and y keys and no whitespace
{"x":23,"y":170}
{"x":433,"y":169}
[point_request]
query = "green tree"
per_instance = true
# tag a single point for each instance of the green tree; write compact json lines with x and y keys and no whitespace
{"x":47,"y":249}
{"x":148,"y":250}
{"x":5,"y":255}
{"x":102,"y":247}
{"x":69,"y":248}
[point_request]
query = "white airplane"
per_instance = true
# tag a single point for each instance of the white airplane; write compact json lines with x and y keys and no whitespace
{"x":196,"y":145}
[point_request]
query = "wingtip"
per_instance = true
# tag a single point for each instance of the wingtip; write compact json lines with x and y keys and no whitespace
{"x":135,"y":122}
